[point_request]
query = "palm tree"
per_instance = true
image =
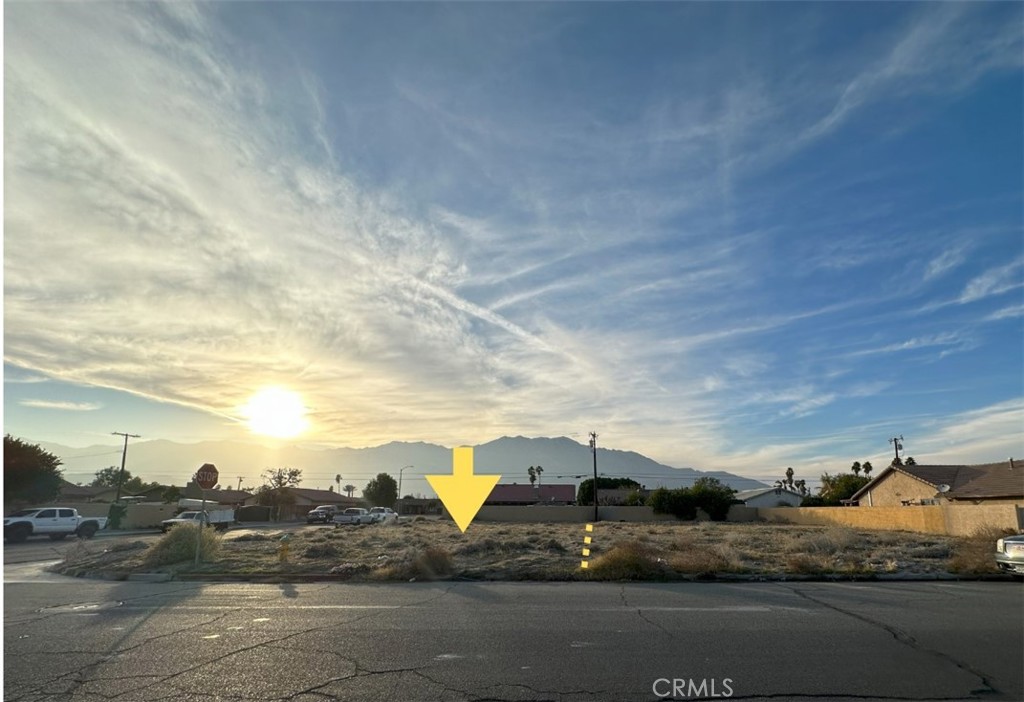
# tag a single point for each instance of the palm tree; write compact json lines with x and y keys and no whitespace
{"x":856,"y":467}
{"x":350,"y":489}
{"x":538,"y":471}
{"x":532,"y":472}
{"x":789,"y":477}
{"x":910,"y":461}
{"x":867,"y":468}
{"x":337,"y":479}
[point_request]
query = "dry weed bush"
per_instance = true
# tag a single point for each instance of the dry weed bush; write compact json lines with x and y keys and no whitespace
{"x":976,"y":554}
{"x":806,"y":564}
{"x":627,"y":560}
{"x":179,"y":545}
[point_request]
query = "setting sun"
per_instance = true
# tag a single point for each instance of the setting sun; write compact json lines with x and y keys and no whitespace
{"x":276,"y":412}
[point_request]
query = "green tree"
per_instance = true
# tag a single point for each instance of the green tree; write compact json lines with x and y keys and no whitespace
{"x":349,"y":489}
{"x":278,"y":478}
{"x":867,"y":468}
{"x":585,"y":492}
{"x":275,"y":492}
{"x":171,"y":494}
{"x":836,"y":488}
{"x":715,"y":497}
{"x":532,"y":472}
{"x":910,"y":461}
{"x":679,"y":503}
{"x":856,"y":468}
{"x":382,"y":491}
{"x":789,"y":477}
{"x":538,"y":471}
{"x":108,"y":477}
{"x":30,"y":473}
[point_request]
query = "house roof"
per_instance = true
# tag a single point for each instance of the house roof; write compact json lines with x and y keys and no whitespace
{"x":985,"y":480}
{"x":323,"y":496}
{"x":69,"y":490}
{"x":528,"y":494}
{"x":745,"y":495}
{"x":226,"y":497}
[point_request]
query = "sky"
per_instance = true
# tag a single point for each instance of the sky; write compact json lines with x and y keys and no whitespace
{"x":735,"y":236}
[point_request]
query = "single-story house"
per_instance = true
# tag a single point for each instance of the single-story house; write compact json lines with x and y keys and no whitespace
{"x":769,"y":497}
{"x":527,"y":494}
{"x":986,"y":483}
{"x":221,"y":497}
{"x":71,"y":493}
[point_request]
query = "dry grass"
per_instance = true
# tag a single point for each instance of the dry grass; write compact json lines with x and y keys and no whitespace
{"x":432,"y":549}
{"x":975,"y":555}
{"x":179,"y":545}
{"x":628,"y":560}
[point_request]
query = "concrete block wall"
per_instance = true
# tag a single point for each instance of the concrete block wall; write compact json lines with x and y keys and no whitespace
{"x":949,"y":520}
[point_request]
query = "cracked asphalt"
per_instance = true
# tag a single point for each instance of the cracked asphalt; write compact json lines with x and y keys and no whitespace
{"x":72,"y":639}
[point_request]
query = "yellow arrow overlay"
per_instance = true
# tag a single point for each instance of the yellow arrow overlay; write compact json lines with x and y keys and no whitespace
{"x":463,"y":493}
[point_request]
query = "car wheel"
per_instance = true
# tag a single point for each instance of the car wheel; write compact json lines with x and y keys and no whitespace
{"x":19,"y":533}
{"x":87,"y":531}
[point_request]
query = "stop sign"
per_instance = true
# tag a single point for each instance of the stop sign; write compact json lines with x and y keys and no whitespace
{"x":207,"y":476}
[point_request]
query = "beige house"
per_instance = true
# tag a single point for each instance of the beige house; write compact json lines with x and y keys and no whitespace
{"x":987,"y":483}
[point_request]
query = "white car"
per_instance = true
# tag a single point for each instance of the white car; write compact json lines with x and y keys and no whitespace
{"x":383,"y":515}
{"x":353,"y":515}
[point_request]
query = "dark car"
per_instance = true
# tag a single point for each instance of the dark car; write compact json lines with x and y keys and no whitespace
{"x":323,"y":514}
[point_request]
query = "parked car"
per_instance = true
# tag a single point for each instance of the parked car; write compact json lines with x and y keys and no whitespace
{"x":55,"y":522}
{"x":324,"y":514}
{"x":219,"y":519}
{"x":382,"y":515}
{"x":352,"y":515}
{"x":1010,"y":554}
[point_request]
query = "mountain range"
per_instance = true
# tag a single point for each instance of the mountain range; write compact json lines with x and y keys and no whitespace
{"x":563,"y":460}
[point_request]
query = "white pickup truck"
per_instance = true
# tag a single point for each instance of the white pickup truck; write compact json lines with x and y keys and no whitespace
{"x":55,"y":522}
{"x":383,"y":515}
{"x":353,"y":515}
{"x":219,"y":519}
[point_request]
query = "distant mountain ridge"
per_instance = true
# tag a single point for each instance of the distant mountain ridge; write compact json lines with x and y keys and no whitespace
{"x":563,"y":459}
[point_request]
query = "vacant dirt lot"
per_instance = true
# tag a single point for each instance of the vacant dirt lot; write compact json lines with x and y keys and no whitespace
{"x":436,"y":549}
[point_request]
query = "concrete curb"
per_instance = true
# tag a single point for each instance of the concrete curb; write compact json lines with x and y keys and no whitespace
{"x":278,"y":578}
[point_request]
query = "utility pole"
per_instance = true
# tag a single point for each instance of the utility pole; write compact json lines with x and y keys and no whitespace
{"x":593,"y":449}
{"x":897,"y":446}
{"x":124,"y":455}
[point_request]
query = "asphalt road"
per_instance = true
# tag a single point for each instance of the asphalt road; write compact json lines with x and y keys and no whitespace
{"x":67,"y":639}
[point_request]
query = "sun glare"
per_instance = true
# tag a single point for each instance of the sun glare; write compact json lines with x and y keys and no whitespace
{"x":276,"y":412}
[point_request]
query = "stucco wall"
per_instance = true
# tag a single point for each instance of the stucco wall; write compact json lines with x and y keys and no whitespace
{"x":896,"y":487}
{"x":951,"y":520}
{"x":145,"y":516}
{"x":585,"y":513}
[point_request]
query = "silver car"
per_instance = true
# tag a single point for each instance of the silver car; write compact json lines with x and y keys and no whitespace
{"x":1010,"y":554}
